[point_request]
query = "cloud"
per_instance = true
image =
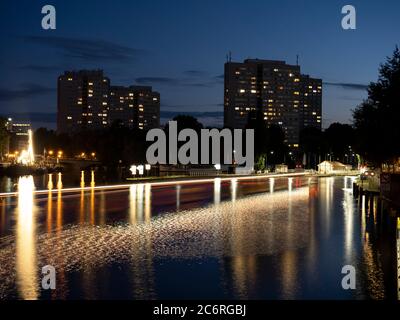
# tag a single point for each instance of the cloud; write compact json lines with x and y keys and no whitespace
{"x":191,"y":106}
{"x":208,"y":119}
{"x":181,"y":82}
{"x":40,"y":68}
{"x":28,"y":91}
{"x":33,"y":117}
{"x":194,"y":73}
{"x":157,"y":80}
{"x":350,"y":86}
{"x":86,"y":49}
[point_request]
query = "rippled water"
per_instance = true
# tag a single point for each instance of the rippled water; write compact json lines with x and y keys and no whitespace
{"x":247,"y":239}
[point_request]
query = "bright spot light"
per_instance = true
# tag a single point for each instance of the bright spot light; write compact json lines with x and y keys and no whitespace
{"x":133,"y":169}
{"x":140,"y":169}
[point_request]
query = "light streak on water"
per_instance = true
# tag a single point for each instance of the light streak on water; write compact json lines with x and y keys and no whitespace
{"x":26,"y":264}
{"x":271,"y":185}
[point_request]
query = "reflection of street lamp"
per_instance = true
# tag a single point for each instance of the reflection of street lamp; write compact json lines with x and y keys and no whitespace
{"x":234,"y":161}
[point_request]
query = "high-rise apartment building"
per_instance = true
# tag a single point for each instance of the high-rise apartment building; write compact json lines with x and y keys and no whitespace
{"x":274,"y":90}
{"x":87,"y":101}
{"x":82,"y":101}
{"x":135,"y":107}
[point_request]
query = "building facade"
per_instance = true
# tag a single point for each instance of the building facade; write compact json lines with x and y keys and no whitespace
{"x":135,"y":107}
{"x":19,"y":135}
{"x":87,"y":101}
{"x":274,"y":90}
{"x":82,"y":102}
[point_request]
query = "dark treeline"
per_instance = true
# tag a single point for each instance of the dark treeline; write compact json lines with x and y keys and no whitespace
{"x":114,"y":146}
{"x":377,"y":120}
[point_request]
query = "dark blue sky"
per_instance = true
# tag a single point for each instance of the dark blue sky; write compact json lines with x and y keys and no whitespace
{"x":179,"y":47}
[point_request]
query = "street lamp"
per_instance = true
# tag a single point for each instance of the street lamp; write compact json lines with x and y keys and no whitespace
{"x":133,"y":170}
{"x":140,"y":169}
{"x":147,"y":167}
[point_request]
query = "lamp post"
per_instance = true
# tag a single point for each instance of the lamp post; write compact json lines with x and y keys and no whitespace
{"x":147,"y":167}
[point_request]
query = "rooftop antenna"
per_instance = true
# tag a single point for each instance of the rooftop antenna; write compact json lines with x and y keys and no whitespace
{"x":230,"y":56}
{"x":297,"y":60}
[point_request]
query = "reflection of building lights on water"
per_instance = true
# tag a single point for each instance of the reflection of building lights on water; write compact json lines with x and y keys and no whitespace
{"x":140,"y":203}
{"x":82,"y":179}
{"x":147,"y":202}
{"x":178,"y":197}
{"x":92,"y":181}
{"x":139,"y":197}
{"x":59,"y":181}
{"x":271,"y":185}
{"x":348,"y":182}
{"x":217,"y":191}
{"x":348,"y":206}
{"x":290,"y":184}
{"x":233,"y":189}
{"x":26,"y":240}
{"x":50,"y":185}
{"x":132,"y":204}
{"x":398,"y":258}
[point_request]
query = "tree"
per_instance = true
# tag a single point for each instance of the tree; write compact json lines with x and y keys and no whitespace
{"x":4,"y":137}
{"x":339,"y":141}
{"x":187,"y":122}
{"x":312,"y":145}
{"x":269,"y":141}
{"x":376,"y":119}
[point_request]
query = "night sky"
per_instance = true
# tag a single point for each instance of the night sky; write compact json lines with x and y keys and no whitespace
{"x":179,"y":47}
